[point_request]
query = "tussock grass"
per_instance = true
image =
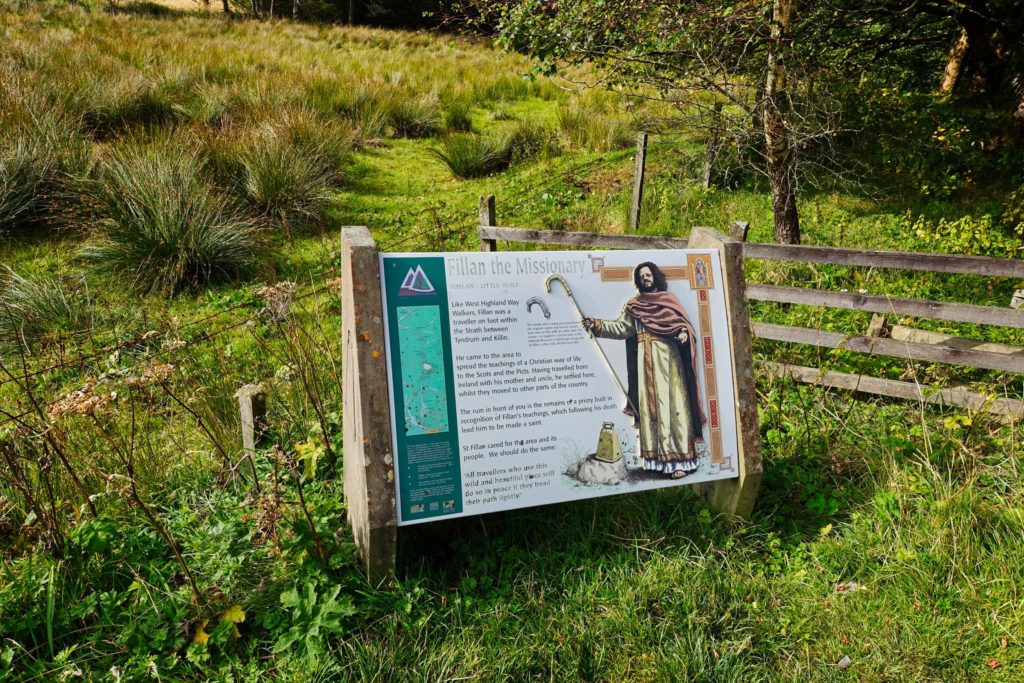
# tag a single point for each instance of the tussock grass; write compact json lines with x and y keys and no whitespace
{"x":590,"y":127}
{"x":37,"y":309}
{"x":285,"y":168}
{"x":532,"y":139}
{"x":458,"y":117}
{"x":163,"y":226}
{"x":128,"y":100}
{"x":474,"y":156}
{"x":414,"y":118}
{"x":43,"y":161}
{"x":21,"y":175}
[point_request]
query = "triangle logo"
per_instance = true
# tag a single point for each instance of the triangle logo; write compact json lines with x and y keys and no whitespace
{"x":416,"y":283}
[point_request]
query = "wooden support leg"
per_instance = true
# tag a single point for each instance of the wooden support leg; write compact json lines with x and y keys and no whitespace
{"x":735,"y":497}
{"x":366,"y":423}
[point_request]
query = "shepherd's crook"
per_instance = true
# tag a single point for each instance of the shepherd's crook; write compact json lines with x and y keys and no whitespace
{"x":555,"y":277}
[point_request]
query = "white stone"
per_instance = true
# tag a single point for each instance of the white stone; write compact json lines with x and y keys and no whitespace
{"x":594,"y":471}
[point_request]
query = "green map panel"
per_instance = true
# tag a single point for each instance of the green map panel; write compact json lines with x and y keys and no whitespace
{"x":422,"y":360}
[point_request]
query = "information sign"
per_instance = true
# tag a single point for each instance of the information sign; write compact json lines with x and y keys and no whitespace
{"x":520,"y":379}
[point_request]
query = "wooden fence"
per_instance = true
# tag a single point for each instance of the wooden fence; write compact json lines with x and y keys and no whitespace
{"x":880,"y":339}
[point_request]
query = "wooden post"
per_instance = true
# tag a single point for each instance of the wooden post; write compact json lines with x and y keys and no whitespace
{"x":252,"y":405}
{"x":638,"y":181}
{"x":735,"y":497}
{"x":878,"y":326}
{"x":738,"y":230}
{"x":368,"y":459}
{"x":488,"y":219}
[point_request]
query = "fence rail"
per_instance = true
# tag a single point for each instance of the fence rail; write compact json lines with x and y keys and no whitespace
{"x":917,"y":308}
{"x":951,"y":350}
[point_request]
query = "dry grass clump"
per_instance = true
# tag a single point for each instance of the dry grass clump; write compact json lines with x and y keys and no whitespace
{"x":588,"y":125}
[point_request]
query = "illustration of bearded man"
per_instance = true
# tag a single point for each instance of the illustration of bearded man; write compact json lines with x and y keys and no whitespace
{"x":661,"y":361}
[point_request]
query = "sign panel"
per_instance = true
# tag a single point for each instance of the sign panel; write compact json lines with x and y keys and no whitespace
{"x":526,"y":378}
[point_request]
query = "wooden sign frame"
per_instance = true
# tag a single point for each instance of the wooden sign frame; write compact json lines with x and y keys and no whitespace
{"x":369,"y":463}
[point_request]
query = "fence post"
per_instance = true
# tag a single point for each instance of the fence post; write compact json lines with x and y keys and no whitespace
{"x":738,"y":230}
{"x":487,"y":220}
{"x":638,"y":181}
{"x":369,"y":464}
{"x":252,"y":405}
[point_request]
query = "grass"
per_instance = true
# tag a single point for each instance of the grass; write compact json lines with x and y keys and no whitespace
{"x":163,"y":227}
{"x":215,"y":160}
{"x":458,"y":117}
{"x":589,"y":127}
{"x":415,"y":118}
{"x":35,"y":310}
{"x":286,"y":168}
{"x":474,"y":156}
{"x":42,"y":160}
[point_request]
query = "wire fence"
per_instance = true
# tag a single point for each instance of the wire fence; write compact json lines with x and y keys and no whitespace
{"x":460,"y":225}
{"x":166,"y":353}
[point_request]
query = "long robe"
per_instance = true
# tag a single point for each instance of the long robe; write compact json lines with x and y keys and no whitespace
{"x":662,"y":379}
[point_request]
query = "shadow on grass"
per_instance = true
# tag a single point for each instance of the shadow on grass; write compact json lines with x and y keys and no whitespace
{"x":144,"y":8}
{"x":551,"y":539}
{"x":815,"y":475}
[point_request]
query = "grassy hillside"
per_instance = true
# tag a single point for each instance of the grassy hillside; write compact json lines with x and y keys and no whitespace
{"x":171,"y":189}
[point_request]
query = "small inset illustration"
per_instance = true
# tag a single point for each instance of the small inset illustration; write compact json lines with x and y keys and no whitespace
{"x":424,"y":387}
{"x":606,"y":465}
{"x":700,"y":272}
{"x":537,"y":301}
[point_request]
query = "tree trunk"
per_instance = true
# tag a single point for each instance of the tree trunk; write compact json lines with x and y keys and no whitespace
{"x":227,"y":7}
{"x":954,"y":65}
{"x":711,"y":153}
{"x":778,"y":146}
{"x":351,"y":12}
{"x":984,"y":56}
{"x":295,"y":9}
